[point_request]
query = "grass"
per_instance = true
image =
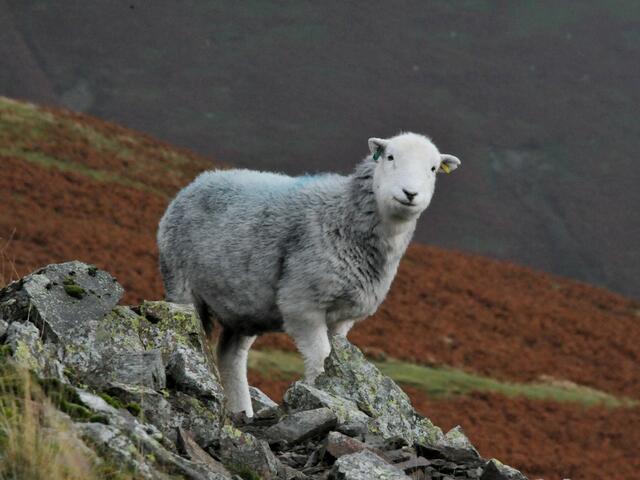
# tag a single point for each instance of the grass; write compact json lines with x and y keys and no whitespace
{"x":443,"y":382}
{"x":37,"y":441}
{"x":106,"y":176}
{"x":25,"y":131}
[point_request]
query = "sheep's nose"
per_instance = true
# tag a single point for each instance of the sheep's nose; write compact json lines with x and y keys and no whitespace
{"x":410,"y":195}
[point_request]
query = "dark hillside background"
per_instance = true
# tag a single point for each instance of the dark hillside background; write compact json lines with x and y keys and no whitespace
{"x":539,"y":99}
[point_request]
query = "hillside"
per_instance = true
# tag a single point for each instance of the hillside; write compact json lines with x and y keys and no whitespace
{"x":76,"y":187}
{"x":538,"y":99}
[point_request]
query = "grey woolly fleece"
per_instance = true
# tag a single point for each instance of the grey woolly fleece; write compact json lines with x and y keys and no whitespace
{"x":257,"y":247}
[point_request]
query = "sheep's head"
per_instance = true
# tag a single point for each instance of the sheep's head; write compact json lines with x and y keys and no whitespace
{"x":405,"y":175}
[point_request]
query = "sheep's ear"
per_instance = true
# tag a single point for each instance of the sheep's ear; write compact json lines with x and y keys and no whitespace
{"x":377,"y":146}
{"x":448,"y":163}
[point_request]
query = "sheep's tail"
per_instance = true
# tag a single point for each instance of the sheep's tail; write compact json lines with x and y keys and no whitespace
{"x":175,"y":285}
{"x":205,"y":314}
{"x":177,"y":290}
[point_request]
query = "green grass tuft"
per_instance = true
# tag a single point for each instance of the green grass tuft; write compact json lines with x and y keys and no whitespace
{"x":443,"y":382}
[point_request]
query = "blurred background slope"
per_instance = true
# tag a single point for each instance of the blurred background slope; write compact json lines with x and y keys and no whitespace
{"x":539,"y":99}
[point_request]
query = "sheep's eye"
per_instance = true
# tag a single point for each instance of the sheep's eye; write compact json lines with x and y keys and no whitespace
{"x":390,"y":157}
{"x":433,"y":169}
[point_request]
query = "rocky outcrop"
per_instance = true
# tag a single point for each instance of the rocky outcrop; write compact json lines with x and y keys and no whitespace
{"x":141,"y":389}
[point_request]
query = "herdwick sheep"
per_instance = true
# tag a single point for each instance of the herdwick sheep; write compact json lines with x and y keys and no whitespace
{"x":309,"y":255}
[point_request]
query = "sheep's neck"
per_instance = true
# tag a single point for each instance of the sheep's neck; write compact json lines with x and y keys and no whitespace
{"x":366,"y":222}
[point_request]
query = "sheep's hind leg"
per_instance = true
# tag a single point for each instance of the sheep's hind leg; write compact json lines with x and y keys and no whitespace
{"x":233,"y":350}
{"x":309,"y":331}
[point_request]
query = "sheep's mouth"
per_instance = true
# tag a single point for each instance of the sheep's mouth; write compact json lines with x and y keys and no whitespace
{"x":405,"y":203}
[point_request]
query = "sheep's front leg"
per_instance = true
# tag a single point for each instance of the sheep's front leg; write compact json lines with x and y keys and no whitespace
{"x":233,"y":350}
{"x":341,"y":329}
{"x":309,"y":332}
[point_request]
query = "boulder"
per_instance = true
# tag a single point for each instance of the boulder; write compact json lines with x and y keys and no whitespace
{"x":245,"y":455}
{"x":365,"y":465}
{"x":455,"y":446}
{"x":188,"y":370}
{"x":263,"y":406}
{"x":348,"y":375}
{"x":297,"y":427}
{"x":338,"y":444}
{"x":187,"y":444}
{"x":302,"y":396}
{"x":63,"y":300}
{"x":3,"y":328}
{"x":496,"y":470}
{"x":135,"y":368}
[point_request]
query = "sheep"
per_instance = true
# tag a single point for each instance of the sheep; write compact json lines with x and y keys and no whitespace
{"x":310,"y":255}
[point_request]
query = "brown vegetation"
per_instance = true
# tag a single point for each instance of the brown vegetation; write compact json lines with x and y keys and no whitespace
{"x":445,"y":307}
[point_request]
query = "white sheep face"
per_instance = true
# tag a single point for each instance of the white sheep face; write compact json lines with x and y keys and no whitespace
{"x":405,"y":175}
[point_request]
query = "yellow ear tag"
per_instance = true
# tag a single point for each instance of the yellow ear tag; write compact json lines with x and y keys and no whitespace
{"x":445,"y":167}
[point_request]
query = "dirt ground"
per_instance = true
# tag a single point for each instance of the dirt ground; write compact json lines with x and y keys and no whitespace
{"x":445,"y":307}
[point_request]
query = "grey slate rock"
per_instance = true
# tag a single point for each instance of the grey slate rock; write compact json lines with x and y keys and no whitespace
{"x":157,"y":356}
{"x":241,"y":451}
{"x":51,"y":299}
{"x":496,"y":470}
{"x":300,"y":426}
{"x":187,"y":370}
{"x":28,"y":351}
{"x":413,"y":464}
{"x":338,"y":445}
{"x":26,"y":348}
{"x":195,"y":453}
{"x":302,"y":396}
{"x":456,"y":447}
{"x":125,"y":438}
{"x":136,"y":368}
{"x":261,"y":401}
{"x":365,"y":465}
{"x":120,"y":448}
{"x":3,"y":328}
{"x":349,"y":375}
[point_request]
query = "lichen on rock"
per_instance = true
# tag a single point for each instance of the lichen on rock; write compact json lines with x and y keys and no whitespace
{"x":348,"y":375}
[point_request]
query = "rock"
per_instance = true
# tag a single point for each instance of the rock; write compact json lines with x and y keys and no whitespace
{"x":170,"y":325}
{"x":338,"y":445}
{"x":413,"y":464}
{"x":261,"y":403}
{"x":141,"y":386}
{"x":170,"y":410}
{"x":124,"y":438}
{"x":192,"y":450}
{"x":26,"y":348}
{"x":187,"y":369}
{"x":3,"y":328}
{"x":245,"y":455}
{"x":289,"y":473}
{"x":365,"y":465}
{"x":297,"y":427}
{"x":203,"y":418}
{"x":63,"y":300}
{"x":496,"y":470}
{"x":119,"y":447}
{"x":349,"y":375}
{"x":135,"y":368}
{"x":456,"y":447}
{"x":302,"y":396}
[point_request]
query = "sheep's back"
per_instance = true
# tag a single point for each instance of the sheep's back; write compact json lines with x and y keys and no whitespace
{"x":228,"y":231}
